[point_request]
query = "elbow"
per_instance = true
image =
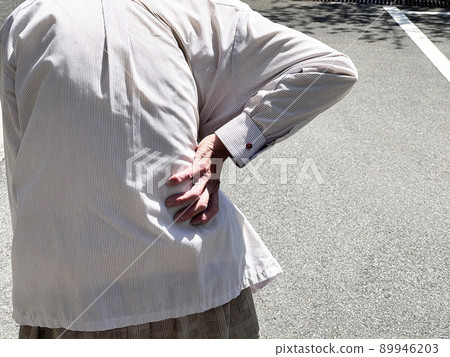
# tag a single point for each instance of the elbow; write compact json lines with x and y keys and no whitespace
{"x":340,"y":64}
{"x":345,"y":66}
{"x":352,"y":70}
{"x":335,"y":63}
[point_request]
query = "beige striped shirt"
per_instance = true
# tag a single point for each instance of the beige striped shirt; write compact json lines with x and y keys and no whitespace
{"x":101,"y":100}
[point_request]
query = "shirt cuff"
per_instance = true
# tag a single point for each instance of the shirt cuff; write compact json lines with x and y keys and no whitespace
{"x":242,"y":138}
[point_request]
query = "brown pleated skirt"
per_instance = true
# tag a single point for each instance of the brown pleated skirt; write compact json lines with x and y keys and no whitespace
{"x":235,"y":319}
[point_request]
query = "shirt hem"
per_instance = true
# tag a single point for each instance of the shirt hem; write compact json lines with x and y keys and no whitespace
{"x":255,"y":282}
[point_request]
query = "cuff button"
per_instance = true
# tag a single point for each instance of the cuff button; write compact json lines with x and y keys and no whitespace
{"x":249,"y":146}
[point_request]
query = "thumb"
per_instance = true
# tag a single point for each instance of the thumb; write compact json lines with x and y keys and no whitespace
{"x":205,"y":148}
{"x":212,"y":146}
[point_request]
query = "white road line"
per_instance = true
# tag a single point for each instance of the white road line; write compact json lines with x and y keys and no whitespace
{"x":442,"y":13}
{"x":428,"y":48}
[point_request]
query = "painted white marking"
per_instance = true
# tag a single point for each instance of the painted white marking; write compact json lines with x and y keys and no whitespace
{"x":428,"y":48}
{"x":439,"y":13}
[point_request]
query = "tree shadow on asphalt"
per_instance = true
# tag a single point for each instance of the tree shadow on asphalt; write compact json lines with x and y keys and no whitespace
{"x":435,"y":27}
{"x":363,"y":20}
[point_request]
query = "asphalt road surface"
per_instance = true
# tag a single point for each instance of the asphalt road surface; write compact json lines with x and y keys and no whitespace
{"x":356,"y":206}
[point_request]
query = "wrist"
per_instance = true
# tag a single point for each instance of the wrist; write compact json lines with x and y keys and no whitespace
{"x":219,"y":149}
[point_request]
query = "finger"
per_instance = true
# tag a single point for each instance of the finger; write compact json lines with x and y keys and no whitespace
{"x":210,"y":212}
{"x":190,"y":196}
{"x":200,"y":204}
{"x":199,"y":167}
{"x":194,"y":208}
{"x":179,"y":177}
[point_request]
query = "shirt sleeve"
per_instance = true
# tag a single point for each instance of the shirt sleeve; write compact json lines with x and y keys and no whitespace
{"x":283,"y":79}
{"x":257,"y":82}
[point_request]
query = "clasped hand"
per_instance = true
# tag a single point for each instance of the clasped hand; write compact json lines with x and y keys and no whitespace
{"x":202,"y":199}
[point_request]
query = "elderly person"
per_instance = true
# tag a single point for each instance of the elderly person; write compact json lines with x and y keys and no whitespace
{"x":99,"y":95}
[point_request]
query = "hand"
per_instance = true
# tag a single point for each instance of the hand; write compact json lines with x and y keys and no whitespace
{"x":203,"y":197}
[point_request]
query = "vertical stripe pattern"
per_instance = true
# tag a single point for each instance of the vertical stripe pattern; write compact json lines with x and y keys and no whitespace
{"x":101,"y":100}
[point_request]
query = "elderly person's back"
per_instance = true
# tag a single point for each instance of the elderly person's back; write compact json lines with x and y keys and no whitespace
{"x":102,"y":101}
